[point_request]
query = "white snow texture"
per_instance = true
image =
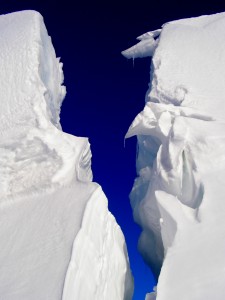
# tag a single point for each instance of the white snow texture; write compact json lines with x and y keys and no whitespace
{"x":178,"y":196}
{"x":58,"y":239}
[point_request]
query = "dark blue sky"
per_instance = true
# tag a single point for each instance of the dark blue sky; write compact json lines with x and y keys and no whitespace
{"x":105,"y":91}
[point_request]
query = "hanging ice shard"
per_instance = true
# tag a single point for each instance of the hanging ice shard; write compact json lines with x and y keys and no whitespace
{"x":178,"y":196}
{"x":58,"y":239}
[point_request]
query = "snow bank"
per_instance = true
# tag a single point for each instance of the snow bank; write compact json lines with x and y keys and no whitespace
{"x":177,"y":197}
{"x":57,"y":236}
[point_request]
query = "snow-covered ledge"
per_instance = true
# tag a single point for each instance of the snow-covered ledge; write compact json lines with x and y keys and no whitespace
{"x":178,"y":196}
{"x":58,"y":239}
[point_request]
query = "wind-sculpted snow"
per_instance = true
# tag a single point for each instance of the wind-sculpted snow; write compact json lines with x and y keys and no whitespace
{"x":108,"y":261}
{"x":145,"y":47}
{"x":58,"y":239}
{"x":178,"y":196}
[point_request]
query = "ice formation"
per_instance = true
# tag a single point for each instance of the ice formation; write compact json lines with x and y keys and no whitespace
{"x":178,"y":196}
{"x":58,"y":239}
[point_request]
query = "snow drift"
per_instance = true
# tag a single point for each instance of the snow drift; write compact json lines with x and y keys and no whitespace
{"x":58,"y":239}
{"x":178,"y":196}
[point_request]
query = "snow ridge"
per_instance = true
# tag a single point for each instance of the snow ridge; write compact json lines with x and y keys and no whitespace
{"x":177,"y":197}
{"x":49,"y":206}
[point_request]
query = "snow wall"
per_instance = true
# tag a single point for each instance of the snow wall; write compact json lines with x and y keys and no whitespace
{"x":58,"y":239}
{"x":178,"y":195}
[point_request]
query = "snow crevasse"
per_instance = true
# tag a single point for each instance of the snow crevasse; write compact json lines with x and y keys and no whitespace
{"x":49,"y":206}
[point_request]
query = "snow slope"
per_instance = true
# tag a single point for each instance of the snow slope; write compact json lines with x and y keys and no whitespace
{"x":178,"y":196}
{"x":58,"y":239}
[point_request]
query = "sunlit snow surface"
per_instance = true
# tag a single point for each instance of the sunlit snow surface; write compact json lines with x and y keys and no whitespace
{"x":58,"y":239}
{"x":178,"y":196}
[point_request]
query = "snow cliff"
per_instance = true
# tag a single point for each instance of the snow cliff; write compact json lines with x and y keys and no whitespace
{"x":58,"y":239}
{"x":178,"y":196}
